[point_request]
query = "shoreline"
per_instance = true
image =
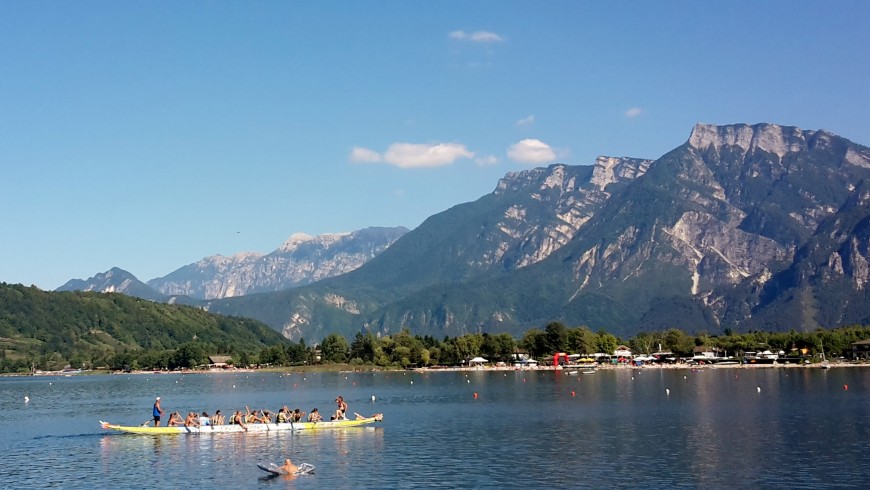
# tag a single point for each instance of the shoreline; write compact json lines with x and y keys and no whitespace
{"x":610,"y":367}
{"x":434,"y":369}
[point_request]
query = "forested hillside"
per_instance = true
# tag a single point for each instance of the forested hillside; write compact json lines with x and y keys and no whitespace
{"x":50,"y":330}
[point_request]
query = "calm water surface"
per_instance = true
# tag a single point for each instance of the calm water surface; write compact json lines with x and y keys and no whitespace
{"x":769,"y":428}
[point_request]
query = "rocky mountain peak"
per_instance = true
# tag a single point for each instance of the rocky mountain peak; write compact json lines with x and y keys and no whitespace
{"x":608,"y":170}
{"x":294,"y":241}
{"x":114,"y":280}
{"x":540,"y":178}
{"x":771,"y":138}
{"x":298,"y":239}
{"x":301,"y":259}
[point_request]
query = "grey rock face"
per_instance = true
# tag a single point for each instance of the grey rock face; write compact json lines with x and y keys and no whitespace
{"x":301,"y":260}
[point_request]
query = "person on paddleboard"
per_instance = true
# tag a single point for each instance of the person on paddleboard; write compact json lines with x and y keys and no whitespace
{"x":157,"y":412}
{"x":289,"y":467}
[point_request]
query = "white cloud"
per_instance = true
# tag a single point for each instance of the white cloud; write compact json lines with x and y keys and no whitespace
{"x":531,"y":151}
{"x":476,"y":36}
{"x":364,"y":155}
{"x":526,"y":121}
{"x":410,"y":155}
{"x":486,"y":160}
{"x":486,"y":37}
{"x":633,"y":112}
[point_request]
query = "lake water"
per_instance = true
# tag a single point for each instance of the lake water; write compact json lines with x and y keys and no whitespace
{"x":628,"y":428}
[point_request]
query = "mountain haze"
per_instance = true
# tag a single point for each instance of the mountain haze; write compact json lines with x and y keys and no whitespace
{"x":302,"y":259}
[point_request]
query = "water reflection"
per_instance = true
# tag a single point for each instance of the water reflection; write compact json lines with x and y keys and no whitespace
{"x":537,"y":429}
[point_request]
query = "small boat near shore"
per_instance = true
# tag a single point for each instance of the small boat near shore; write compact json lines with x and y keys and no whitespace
{"x":251,"y":428}
{"x":766,"y":357}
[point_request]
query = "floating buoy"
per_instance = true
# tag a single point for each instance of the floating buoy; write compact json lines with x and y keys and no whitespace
{"x":573,"y":394}
{"x":26,"y":399}
{"x":468,"y":381}
{"x":234,"y":386}
{"x":685,"y":377}
{"x":475,"y":395}
{"x":758,"y":389}
{"x":412,"y":381}
{"x":373,"y":398}
{"x":667,"y":391}
{"x":845,"y":387}
{"x":524,"y":380}
{"x":632,"y":378}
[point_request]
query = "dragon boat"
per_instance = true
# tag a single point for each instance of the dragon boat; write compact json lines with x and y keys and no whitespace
{"x":251,"y":428}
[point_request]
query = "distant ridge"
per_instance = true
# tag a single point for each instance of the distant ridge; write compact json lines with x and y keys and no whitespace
{"x":302,"y":259}
{"x":115,"y":280}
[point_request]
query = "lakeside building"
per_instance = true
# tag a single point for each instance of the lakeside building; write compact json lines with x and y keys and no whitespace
{"x":861,"y":349}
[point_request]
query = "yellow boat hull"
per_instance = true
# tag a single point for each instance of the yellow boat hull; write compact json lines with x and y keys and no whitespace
{"x":255,"y":427}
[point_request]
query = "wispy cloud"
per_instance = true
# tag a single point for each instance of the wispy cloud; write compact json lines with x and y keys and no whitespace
{"x":526,"y":121}
{"x":531,"y":151}
{"x":411,"y":155}
{"x":486,"y":160}
{"x":364,"y":155}
{"x":633,"y":112}
{"x":484,"y":37}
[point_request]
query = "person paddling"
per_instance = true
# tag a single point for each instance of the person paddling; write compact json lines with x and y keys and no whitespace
{"x":289,"y":467}
{"x":157,"y":412}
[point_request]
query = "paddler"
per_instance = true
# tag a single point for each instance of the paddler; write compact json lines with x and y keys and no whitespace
{"x":289,"y":467}
{"x":157,"y":412}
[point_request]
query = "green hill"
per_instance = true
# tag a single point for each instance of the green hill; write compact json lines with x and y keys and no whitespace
{"x":50,"y":330}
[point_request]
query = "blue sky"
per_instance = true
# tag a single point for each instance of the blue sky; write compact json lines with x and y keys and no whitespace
{"x":148,"y":135}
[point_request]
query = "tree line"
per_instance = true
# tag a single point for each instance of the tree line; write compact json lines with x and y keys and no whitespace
{"x":404,"y":350}
{"x":50,"y":331}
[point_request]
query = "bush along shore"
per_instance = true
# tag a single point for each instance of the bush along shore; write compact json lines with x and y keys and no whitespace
{"x":670,"y":348}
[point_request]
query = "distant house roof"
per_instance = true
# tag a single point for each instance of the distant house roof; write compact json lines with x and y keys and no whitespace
{"x":219,"y":359}
{"x":704,"y":348}
{"x":862,"y":342}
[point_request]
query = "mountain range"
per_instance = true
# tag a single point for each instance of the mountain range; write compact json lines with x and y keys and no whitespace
{"x":741,"y":227}
{"x":300,"y":260}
